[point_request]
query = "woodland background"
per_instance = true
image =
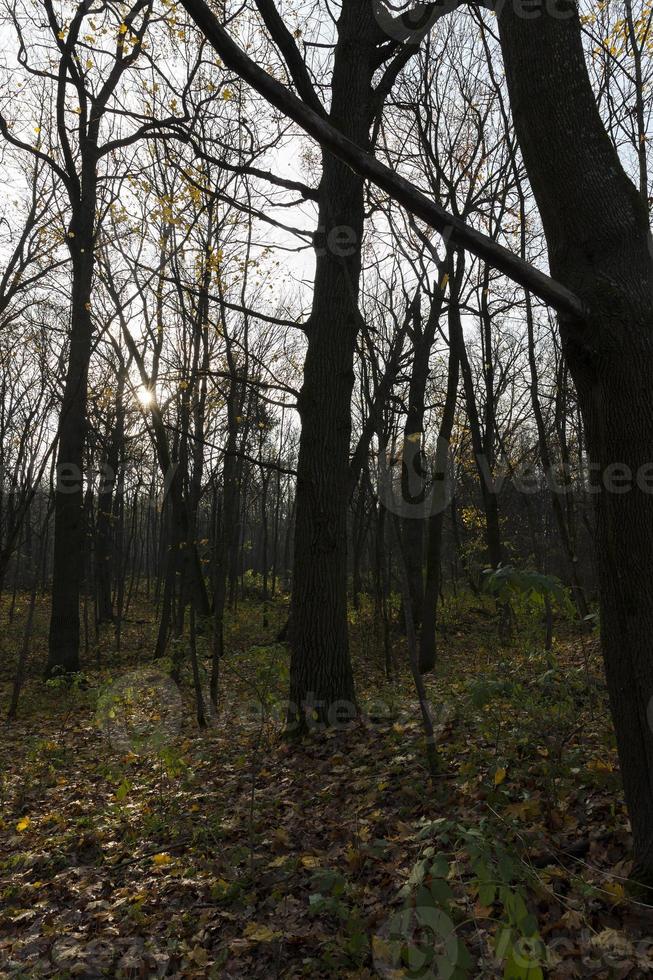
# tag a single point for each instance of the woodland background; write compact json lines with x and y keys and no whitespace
{"x":176,"y":316}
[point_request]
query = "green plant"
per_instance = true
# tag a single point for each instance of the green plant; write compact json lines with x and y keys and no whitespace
{"x":506,"y":583}
{"x":498,"y":880}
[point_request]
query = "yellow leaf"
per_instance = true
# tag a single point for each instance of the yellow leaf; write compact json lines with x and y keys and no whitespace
{"x":600,"y":765}
{"x":227,"y":94}
{"x":23,"y":824}
{"x":122,"y":29}
{"x":310,"y":861}
{"x":161,"y":860}
{"x":616,"y":892}
{"x":61,"y":35}
{"x":259,"y":933}
{"x":499,"y":776}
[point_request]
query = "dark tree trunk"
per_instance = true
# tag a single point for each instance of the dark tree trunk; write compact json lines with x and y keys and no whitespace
{"x":547,"y":465}
{"x":427,"y":650}
{"x":359,"y":525}
{"x":320,"y":673}
{"x":105,"y":515}
{"x":413,"y":470}
{"x":69,"y":511}
{"x":225,"y":542}
{"x":170,"y":565}
{"x":599,"y":245}
{"x":21,"y":666}
{"x":265,"y":480}
{"x":483,"y":464}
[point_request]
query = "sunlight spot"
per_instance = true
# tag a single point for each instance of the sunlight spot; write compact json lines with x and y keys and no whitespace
{"x":145,"y":396}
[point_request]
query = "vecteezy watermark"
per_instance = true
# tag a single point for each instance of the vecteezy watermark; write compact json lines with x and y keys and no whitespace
{"x":415,"y":480}
{"x":417,"y":942}
{"x":317,"y":714}
{"x":340,"y":241}
{"x":410,"y":22}
{"x":71,"y":479}
{"x":408,"y":485}
{"x":140,"y":712}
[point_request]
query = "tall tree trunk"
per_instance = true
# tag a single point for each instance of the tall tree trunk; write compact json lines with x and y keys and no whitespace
{"x":105,"y":510}
{"x":427,"y":650}
{"x":483,"y":464}
{"x":599,"y":245}
{"x":320,"y":672}
{"x":69,"y":511}
{"x":225,"y":542}
{"x":414,"y":464}
{"x":547,"y":465}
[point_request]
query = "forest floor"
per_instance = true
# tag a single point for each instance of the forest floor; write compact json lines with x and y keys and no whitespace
{"x":134,"y":844}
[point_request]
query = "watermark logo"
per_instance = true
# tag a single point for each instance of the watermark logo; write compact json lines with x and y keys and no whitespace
{"x":140,"y":712}
{"x":410,"y":21}
{"x":412,"y":483}
{"x":418,"y":942}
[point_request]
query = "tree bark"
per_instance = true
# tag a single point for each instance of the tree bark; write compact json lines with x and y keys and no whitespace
{"x":320,"y":673}
{"x":414,"y":463}
{"x":225,"y":541}
{"x":599,"y":246}
{"x":427,"y":649}
{"x":67,"y":569}
{"x":106,"y":510}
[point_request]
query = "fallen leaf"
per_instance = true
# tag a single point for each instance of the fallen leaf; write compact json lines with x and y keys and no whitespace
{"x":161,"y":860}
{"x":260,"y":933}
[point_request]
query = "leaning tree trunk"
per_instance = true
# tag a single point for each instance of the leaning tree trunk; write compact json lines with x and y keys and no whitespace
{"x":320,"y":673}
{"x":69,"y":511}
{"x":599,"y":246}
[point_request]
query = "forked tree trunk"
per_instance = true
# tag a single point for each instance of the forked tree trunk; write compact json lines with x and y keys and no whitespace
{"x":599,"y":246}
